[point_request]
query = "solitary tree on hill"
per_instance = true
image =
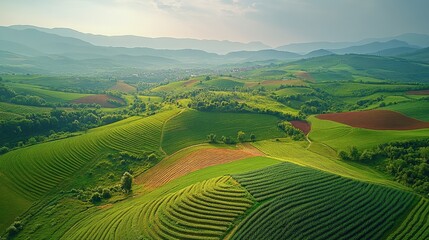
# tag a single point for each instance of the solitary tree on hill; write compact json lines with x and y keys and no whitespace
{"x":241,"y":136}
{"x":252,"y":137}
{"x":126,"y":182}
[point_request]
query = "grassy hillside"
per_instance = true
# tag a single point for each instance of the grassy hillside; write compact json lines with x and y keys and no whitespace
{"x":131,"y":217}
{"x":205,"y":210}
{"x":21,"y":109}
{"x":33,"y":171}
{"x":413,"y":109}
{"x":296,"y":202}
{"x":341,"y":137}
{"x":192,"y":127}
{"x":319,"y":156}
{"x":48,"y":95}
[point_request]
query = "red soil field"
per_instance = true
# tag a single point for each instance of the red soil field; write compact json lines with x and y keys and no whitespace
{"x":101,"y":99}
{"x":304,"y":75}
{"x":123,"y":87}
{"x":301,"y":125}
{"x":376,"y":120}
{"x":161,"y":174}
{"x":419,"y":92}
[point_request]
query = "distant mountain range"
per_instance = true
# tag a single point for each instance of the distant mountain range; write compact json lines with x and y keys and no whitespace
{"x":29,"y":49}
{"x":129,"y":41}
{"x":413,"y":39}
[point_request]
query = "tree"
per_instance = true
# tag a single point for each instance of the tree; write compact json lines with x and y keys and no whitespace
{"x":212,"y":138}
{"x":252,"y":137}
{"x":241,"y":136}
{"x":126,"y":182}
{"x":208,"y":78}
{"x":106,"y":193}
{"x":343,"y":155}
{"x":354,"y":154}
{"x":95,"y":197}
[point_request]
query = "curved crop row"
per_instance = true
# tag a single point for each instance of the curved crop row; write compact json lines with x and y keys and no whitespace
{"x":303,"y":203}
{"x":206,"y":210}
{"x":34,"y":170}
{"x":416,"y":225}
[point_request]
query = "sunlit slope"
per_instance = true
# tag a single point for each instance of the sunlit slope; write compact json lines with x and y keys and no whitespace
{"x":34,"y":170}
{"x":192,"y":127}
{"x":341,"y":137}
{"x":206,"y":210}
{"x":302,"y":203}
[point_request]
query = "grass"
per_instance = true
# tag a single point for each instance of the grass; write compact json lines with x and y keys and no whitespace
{"x":342,"y":137}
{"x":293,"y":91}
{"x":72,"y":218}
{"x":321,"y":157}
{"x":22,"y":109}
{"x":33,"y":171}
{"x":204,"y":210}
{"x":192,"y":127}
{"x":416,"y":225}
{"x":48,"y":95}
{"x":298,"y":202}
{"x":412,"y":109}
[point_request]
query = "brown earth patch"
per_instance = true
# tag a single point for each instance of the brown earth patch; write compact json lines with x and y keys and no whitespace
{"x":419,"y":92}
{"x":304,"y":75}
{"x":102,"y":99}
{"x":123,"y":87}
{"x":376,"y":120}
{"x":301,"y":125}
{"x":105,"y":206}
{"x":190,"y":83}
{"x":292,"y":82}
{"x":161,"y":174}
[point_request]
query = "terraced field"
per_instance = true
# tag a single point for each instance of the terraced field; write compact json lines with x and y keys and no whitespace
{"x":416,"y":225}
{"x":301,"y":203}
{"x":192,"y":127}
{"x":205,"y":210}
{"x":33,"y":171}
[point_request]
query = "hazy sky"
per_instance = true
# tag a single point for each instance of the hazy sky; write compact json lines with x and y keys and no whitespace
{"x":273,"y":22}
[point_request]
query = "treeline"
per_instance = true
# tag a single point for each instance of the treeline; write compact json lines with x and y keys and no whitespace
{"x":291,"y":131}
{"x":407,"y":161}
{"x":35,"y":128}
{"x":228,"y":102}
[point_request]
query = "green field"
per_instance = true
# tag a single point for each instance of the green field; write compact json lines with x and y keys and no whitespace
{"x":20,"y":110}
{"x":33,"y":171}
{"x":321,"y":157}
{"x":415,"y":109}
{"x":296,"y":202}
{"x":111,"y":221}
{"x":416,"y":225}
{"x":342,"y":137}
{"x":192,"y":127}
{"x":48,"y":95}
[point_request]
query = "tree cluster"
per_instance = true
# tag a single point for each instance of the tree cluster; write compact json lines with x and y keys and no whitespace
{"x":407,"y":161}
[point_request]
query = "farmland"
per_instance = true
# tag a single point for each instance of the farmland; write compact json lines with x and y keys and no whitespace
{"x":177,"y":133}
{"x":294,"y":200}
{"x":142,"y":143}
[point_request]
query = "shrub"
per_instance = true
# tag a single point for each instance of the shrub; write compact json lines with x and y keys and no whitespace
{"x":126,"y":182}
{"x":95,"y":197}
{"x":106,"y":193}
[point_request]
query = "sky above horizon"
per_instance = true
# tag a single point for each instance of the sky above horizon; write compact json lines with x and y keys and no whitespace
{"x":273,"y":22}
